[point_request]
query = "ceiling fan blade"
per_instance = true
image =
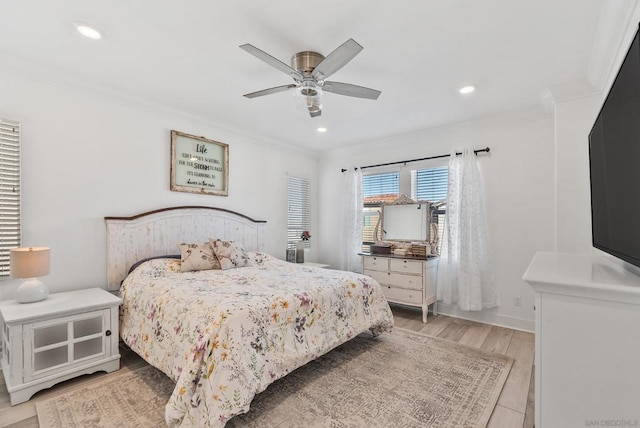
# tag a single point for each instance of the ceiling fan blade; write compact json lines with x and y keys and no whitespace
{"x":351,"y":90}
{"x":336,"y":59}
{"x":269,"y":91}
{"x":314,"y":111}
{"x":274,"y":62}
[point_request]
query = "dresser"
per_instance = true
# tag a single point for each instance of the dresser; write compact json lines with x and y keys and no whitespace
{"x":64,"y":336}
{"x":587,"y":311}
{"x":409,"y":281}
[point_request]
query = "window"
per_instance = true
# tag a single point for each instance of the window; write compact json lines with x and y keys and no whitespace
{"x":376,"y":189}
{"x":9,"y":191}
{"x":430,"y":184}
{"x":297,"y":210}
{"x":427,"y":184}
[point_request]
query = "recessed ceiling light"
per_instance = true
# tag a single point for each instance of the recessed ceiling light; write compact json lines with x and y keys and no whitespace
{"x":467,"y":89}
{"x":88,"y":31}
{"x":322,"y":129}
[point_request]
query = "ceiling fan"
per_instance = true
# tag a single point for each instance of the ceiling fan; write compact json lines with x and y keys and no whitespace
{"x":309,"y":71}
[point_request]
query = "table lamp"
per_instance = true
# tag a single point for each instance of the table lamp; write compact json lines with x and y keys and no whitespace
{"x":30,"y":262}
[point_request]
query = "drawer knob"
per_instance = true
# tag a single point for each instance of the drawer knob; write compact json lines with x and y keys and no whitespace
{"x":107,"y":333}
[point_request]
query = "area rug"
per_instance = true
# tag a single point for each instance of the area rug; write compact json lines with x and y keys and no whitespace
{"x":131,"y":399}
{"x":399,"y":379}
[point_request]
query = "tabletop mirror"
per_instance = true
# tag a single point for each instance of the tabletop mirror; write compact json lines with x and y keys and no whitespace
{"x":405,"y":220}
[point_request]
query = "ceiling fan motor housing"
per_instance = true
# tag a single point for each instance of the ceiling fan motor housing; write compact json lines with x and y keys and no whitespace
{"x":305,"y":62}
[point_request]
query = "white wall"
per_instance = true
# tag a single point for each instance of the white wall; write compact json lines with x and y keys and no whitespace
{"x":85,"y":158}
{"x":573,"y":121}
{"x":518,"y":179}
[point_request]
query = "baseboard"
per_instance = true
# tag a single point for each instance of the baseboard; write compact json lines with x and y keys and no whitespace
{"x":487,"y":317}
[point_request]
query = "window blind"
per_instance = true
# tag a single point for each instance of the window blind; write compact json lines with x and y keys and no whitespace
{"x":384,"y":187}
{"x":9,"y":191}
{"x":298,"y":210}
{"x":430,"y":184}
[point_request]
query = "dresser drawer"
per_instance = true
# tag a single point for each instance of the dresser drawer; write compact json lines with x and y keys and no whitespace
{"x":401,"y":295}
{"x":406,"y":266}
{"x":412,"y":282}
{"x":375,"y":263}
{"x":381,"y":277}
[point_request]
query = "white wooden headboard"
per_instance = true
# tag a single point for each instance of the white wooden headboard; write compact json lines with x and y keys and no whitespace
{"x":158,"y":233}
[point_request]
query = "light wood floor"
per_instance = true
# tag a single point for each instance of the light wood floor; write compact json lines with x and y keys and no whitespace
{"x":515,"y":405}
{"x":514,"y":409}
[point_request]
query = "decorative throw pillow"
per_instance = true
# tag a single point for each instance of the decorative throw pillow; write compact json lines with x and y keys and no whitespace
{"x":230,"y":254}
{"x":197,"y":257}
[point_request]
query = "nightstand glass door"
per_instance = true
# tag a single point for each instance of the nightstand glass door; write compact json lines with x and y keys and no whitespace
{"x":66,"y":342}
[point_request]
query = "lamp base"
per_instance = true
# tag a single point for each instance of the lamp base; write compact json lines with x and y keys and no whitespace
{"x":32,"y":290}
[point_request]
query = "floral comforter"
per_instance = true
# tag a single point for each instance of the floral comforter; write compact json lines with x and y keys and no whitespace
{"x":224,"y":336}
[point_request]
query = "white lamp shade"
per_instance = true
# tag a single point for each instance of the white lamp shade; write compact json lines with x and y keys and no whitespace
{"x":30,"y":262}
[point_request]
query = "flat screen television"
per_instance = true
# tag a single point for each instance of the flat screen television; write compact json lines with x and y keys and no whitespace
{"x":614,"y":158}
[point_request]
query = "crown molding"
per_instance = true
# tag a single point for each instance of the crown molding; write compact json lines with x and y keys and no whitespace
{"x":25,"y":68}
{"x":618,"y":23}
{"x":439,"y":132}
{"x":567,"y":92}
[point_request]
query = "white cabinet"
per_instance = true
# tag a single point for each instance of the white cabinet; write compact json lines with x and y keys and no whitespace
{"x":587,"y":370}
{"x":408,"y":281}
{"x":64,"y":336}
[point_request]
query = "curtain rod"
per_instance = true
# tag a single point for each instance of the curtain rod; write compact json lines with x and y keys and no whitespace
{"x":485,"y":150}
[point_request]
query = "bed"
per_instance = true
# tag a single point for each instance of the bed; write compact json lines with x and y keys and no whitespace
{"x":224,"y":335}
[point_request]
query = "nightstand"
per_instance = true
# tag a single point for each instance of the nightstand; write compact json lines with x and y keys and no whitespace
{"x":318,"y":265}
{"x":67,"y":335}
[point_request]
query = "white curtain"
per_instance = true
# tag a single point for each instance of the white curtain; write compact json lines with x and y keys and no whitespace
{"x":351,"y":221}
{"x":465,"y":277}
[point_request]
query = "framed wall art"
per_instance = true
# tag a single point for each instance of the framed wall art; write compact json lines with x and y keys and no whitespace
{"x":199,"y":165}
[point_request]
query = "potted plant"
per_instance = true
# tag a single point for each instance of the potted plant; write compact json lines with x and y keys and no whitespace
{"x":305,"y":236}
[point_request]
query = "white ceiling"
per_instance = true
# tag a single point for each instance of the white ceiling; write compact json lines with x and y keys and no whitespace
{"x":184,"y":56}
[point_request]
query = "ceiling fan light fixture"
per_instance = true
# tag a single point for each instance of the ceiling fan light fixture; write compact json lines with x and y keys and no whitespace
{"x":308,"y":104}
{"x":313,"y":104}
{"x":309,"y":97}
{"x":309,"y":92}
{"x":309,"y":89}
